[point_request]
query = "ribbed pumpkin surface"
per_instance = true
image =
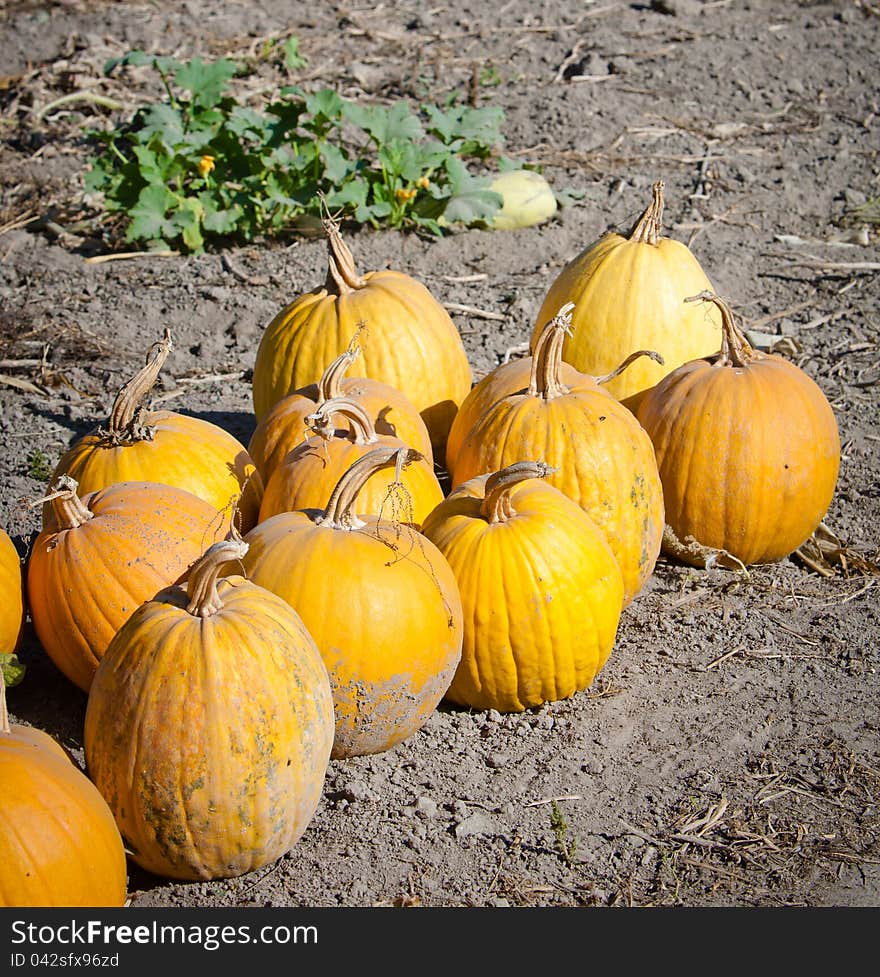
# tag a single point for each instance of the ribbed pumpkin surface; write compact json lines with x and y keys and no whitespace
{"x":541,"y":595}
{"x":748,"y":456}
{"x":210,"y":737}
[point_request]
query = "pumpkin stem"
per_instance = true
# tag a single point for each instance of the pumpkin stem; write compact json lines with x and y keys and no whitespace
{"x":67,"y":508}
{"x":656,"y":357}
{"x":339,"y":513}
{"x":497,"y":505}
{"x":736,"y":350}
{"x":362,"y":429}
{"x":342,"y":275}
{"x":127,"y":414}
{"x":4,"y":710}
{"x":201,"y":587}
{"x":329,"y":384}
{"x":545,"y":379}
{"x":647,"y":228}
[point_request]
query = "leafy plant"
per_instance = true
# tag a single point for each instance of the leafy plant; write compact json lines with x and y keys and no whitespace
{"x":201,"y":167}
{"x":566,"y":847}
{"x":39,"y":466}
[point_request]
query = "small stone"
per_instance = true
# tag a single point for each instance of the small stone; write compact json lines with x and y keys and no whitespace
{"x":478,"y":823}
{"x":426,"y":807}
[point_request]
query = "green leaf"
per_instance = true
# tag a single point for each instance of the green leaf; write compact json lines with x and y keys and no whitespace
{"x":206,"y":81}
{"x":13,"y":670}
{"x":324,"y":105}
{"x":385,"y":125}
{"x":337,"y":165}
{"x":164,"y":122}
{"x":148,"y":165}
{"x":136,"y":57}
{"x":401,"y":159}
{"x":292,"y":57}
{"x":148,"y":214}
{"x":470,"y":200}
{"x":352,"y":194}
{"x":188,"y":220}
{"x":477,"y":131}
{"x":247,"y":123}
{"x":223,"y":221}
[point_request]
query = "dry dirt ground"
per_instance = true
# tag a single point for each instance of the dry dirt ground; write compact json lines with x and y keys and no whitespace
{"x":728,"y":754}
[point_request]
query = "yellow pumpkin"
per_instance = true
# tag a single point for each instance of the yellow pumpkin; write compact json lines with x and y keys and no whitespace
{"x":166,"y":446}
{"x":601,"y":456}
{"x":284,"y":425}
{"x":99,"y":556}
{"x":628,"y":293}
{"x":59,"y":844}
{"x":12,"y":589}
{"x":209,"y":724}
{"x":379,"y":599}
{"x":308,"y":473}
{"x":748,"y":451}
{"x":410,"y":342}
{"x":540,"y":589}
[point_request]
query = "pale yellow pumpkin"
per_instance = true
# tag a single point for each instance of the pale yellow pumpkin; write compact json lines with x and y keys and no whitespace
{"x":629,"y":293}
{"x":409,"y":341}
{"x":541,"y":591}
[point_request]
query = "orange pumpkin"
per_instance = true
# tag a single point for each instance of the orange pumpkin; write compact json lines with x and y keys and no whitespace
{"x":12,"y":589}
{"x":308,"y":473}
{"x":748,"y":451}
{"x":284,"y":426}
{"x":628,"y":294}
{"x":166,"y":446}
{"x":209,"y":724}
{"x":540,"y":589}
{"x":379,"y":599}
{"x":99,"y":556}
{"x":59,"y":844}
{"x":601,"y":456}
{"x":410,"y":341}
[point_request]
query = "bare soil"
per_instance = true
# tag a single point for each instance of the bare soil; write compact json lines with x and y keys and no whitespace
{"x":728,"y":753}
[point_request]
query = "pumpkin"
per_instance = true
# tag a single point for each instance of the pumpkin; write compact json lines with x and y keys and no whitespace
{"x":165,"y":446}
{"x":99,"y":556}
{"x":59,"y":844}
{"x":526,"y":199}
{"x":379,"y":599}
{"x":308,"y":473}
{"x":748,"y":451}
{"x":12,"y":588}
{"x":410,"y":341}
{"x":628,"y":293}
{"x":284,"y":425}
{"x":540,"y":589}
{"x":601,"y":456}
{"x":209,"y":724}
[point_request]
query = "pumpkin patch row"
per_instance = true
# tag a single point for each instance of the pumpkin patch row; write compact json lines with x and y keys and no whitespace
{"x":320,"y":586}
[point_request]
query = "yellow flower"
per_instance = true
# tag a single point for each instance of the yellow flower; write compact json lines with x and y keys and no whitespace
{"x":206,"y":164}
{"x":404,"y":195}
{"x":423,"y":182}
